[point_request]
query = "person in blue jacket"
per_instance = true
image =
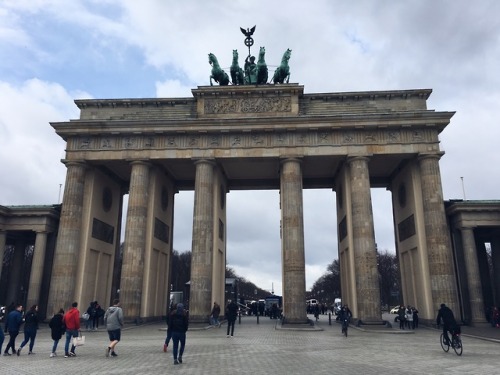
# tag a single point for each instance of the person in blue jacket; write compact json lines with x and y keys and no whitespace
{"x":13,"y":325}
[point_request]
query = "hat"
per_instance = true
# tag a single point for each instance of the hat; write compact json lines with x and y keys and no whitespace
{"x":180,"y":306}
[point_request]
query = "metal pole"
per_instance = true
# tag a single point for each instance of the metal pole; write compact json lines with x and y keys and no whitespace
{"x":463,"y":188}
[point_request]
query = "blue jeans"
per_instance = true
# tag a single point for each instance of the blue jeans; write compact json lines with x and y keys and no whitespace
{"x":69,"y":336}
{"x":176,"y":338}
{"x":54,"y":347}
{"x":29,"y":335}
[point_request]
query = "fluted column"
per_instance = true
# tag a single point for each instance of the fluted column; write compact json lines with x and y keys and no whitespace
{"x":473,"y":279}
{"x":202,"y":243}
{"x":37,"y":266}
{"x":439,"y":251}
{"x":135,"y":240}
{"x":3,"y":240}
{"x":292,"y":228}
{"x":64,"y":270}
{"x":363,"y":232}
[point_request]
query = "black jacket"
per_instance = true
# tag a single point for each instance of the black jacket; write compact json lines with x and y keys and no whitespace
{"x":57,"y":328}
{"x":178,"y":322}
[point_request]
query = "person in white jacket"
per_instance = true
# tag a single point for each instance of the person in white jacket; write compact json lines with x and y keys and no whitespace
{"x":113,"y":318}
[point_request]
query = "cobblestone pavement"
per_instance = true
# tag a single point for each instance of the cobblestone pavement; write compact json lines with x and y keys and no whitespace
{"x":260,"y":349}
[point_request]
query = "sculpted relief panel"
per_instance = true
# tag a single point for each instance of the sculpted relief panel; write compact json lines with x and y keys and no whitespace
{"x":248,"y":105}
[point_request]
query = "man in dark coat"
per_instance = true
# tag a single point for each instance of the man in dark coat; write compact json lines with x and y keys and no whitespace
{"x":231,"y":314}
{"x":12,"y":325}
{"x":178,"y":324}
{"x":449,"y":323}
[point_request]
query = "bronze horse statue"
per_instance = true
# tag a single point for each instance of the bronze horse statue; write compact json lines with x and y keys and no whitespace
{"x":237,"y":77}
{"x":218,"y":75}
{"x":262,"y":67}
{"x":282,"y":73}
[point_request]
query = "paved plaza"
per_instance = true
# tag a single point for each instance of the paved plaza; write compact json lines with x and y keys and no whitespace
{"x":261,"y":349}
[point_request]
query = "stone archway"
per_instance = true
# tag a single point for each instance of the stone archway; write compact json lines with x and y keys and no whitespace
{"x":252,"y":137}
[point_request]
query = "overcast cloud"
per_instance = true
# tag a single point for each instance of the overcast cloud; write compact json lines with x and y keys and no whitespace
{"x":55,"y":51}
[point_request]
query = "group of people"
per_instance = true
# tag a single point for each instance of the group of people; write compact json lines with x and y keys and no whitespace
{"x":62,"y":323}
{"x":94,"y":313}
{"x":408,"y":317}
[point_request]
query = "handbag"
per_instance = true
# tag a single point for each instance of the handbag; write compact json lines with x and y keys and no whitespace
{"x":85,"y":316}
{"x":79,"y":340}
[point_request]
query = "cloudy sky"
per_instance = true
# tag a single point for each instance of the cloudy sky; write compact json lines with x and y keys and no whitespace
{"x":55,"y":51}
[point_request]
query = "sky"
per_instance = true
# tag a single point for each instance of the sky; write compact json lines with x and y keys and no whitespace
{"x":55,"y":51}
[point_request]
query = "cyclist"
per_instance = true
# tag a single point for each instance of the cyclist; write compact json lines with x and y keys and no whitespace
{"x":344,"y":316}
{"x":449,"y":323}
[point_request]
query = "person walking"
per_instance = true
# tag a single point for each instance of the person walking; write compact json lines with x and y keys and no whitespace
{"x":214,"y":315}
{"x":231,"y":314}
{"x":12,"y":325}
{"x":71,"y":321}
{"x":113,"y":319}
{"x":30,"y":329}
{"x":179,"y":325}
{"x":56,"y":330}
{"x":169,"y":330}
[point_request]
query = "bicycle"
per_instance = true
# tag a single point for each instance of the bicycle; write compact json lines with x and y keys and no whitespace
{"x":345,"y":325}
{"x":456,"y":343}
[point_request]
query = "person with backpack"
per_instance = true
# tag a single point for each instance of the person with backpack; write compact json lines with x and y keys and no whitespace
{"x":57,"y":329}
{"x":179,"y":326}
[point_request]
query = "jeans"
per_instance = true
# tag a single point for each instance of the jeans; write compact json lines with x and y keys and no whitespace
{"x":29,"y":335}
{"x":12,"y":342}
{"x":230,"y":326}
{"x":69,"y":336}
{"x":176,"y":338}
{"x":2,"y":337}
{"x":54,"y":347}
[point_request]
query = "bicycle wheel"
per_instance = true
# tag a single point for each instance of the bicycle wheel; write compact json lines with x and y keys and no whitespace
{"x":457,"y":345}
{"x":444,"y":345}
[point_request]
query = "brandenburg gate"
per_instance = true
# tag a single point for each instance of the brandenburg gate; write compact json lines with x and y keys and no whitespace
{"x":249,"y":137}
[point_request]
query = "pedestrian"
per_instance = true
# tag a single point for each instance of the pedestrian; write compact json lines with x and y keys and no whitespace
{"x":214,"y":315}
{"x":415,"y":318}
{"x":169,"y":330}
{"x":113,"y":319}
{"x":402,"y":317}
{"x":98,"y":313}
{"x":89,"y":322}
{"x":30,"y":329}
{"x":231,"y":314}
{"x":71,"y":321}
{"x":2,"y":335}
{"x":56,"y":330}
{"x":179,"y":326}
{"x":12,"y":325}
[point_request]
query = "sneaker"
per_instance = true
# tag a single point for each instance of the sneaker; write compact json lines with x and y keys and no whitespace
{"x":72,"y":354}
{"x":165,"y":348}
{"x":228,"y":336}
{"x":176,"y":362}
{"x":31,"y":353}
{"x":108,"y":349}
{"x":52,"y":355}
{"x":180,"y":359}
{"x":66,"y":355}
{"x":113,"y":354}
{"x":18,"y":352}
{"x":6,"y":354}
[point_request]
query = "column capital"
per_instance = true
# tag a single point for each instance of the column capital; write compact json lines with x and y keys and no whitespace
{"x":145,"y":162}
{"x":210,"y":161}
{"x":284,"y":159}
{"x":351,"y":158}
{"x":78,"y":163}
{"x":431,"y":155}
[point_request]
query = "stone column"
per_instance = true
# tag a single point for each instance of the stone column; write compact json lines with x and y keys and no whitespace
{"x":495,"y":258}
{"x":473,"y":280}
{"x":64,"y":269}
{"x":363,"y":233}
{"x":37,"y":266}
{"x":3,"y":240}
{"x":292,"y":232}
{"x":135,"y":241}
{"x":202,"y":243}
{"x":438,"y":241}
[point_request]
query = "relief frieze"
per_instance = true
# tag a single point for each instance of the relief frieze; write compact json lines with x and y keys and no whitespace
{"x":248,"y":105}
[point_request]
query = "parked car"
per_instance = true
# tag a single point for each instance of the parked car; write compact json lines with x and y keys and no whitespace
{"x":394,"y":310}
